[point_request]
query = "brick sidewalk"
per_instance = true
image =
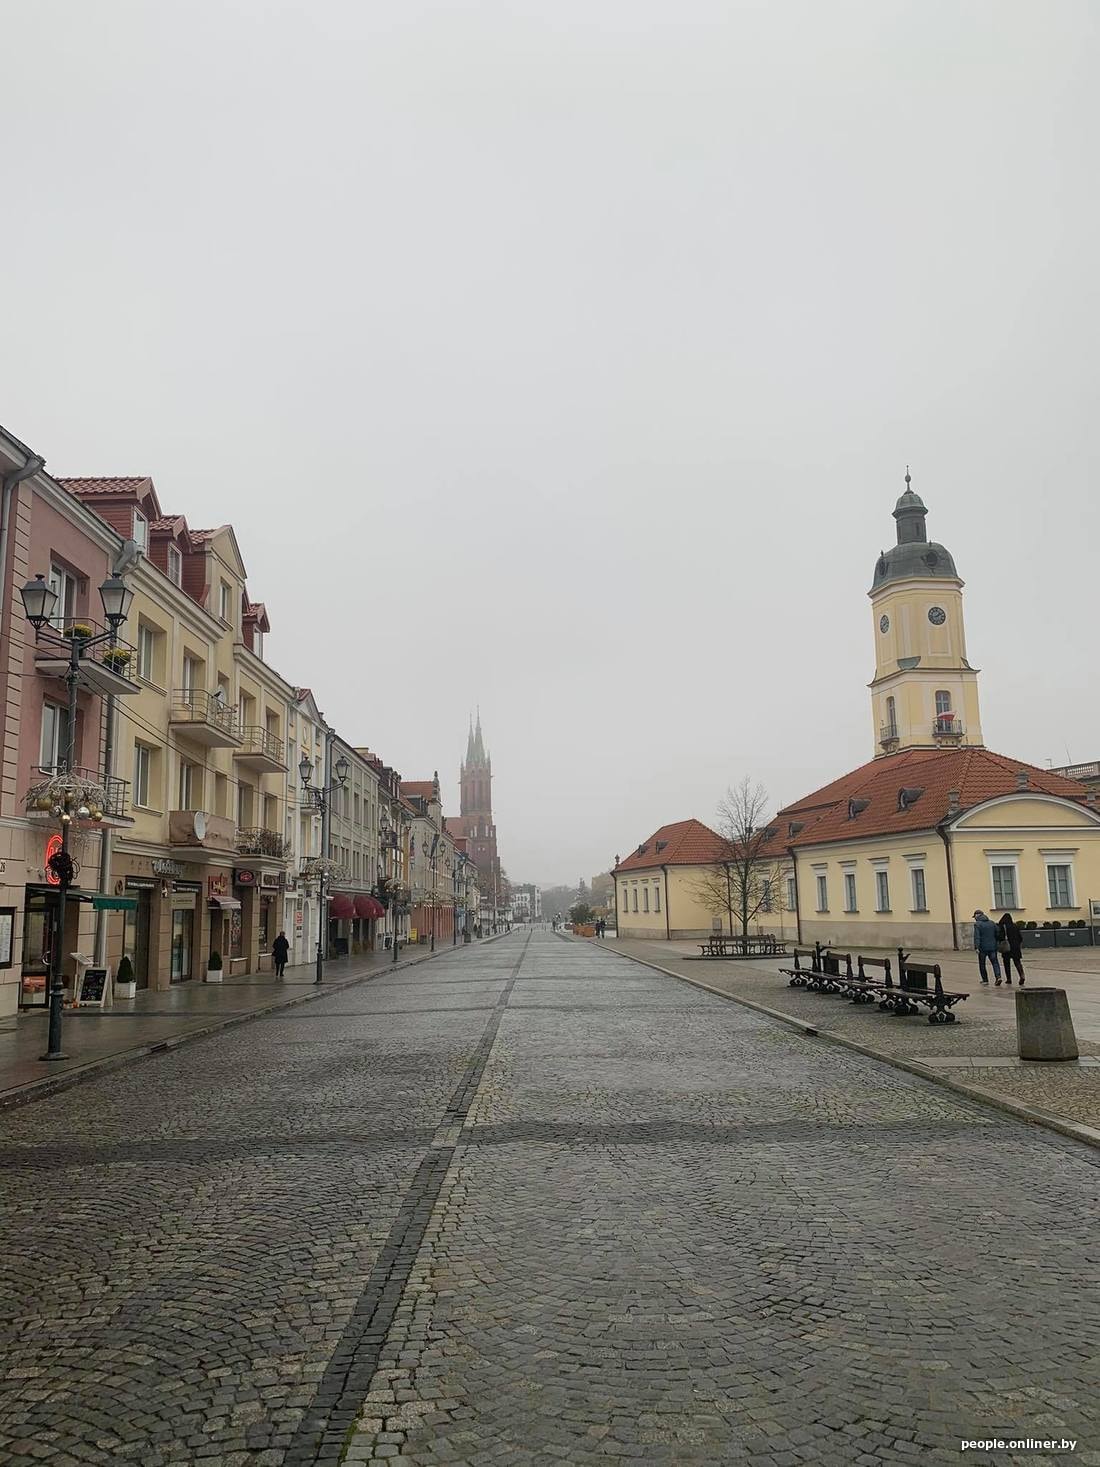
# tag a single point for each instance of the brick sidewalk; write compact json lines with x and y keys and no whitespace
{"x":979,"y":1051}
{"x":98,"y":1039}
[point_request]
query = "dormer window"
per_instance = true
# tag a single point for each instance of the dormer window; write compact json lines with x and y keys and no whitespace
{"x":908,"y":796}
{"x":794,"y":826}
{"x":175,"y":566}
{"x":856,"y":807}
{"x":139,"y":532}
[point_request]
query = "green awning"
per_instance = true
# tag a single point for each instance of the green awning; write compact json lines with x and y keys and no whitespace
{"x":114,"y":904}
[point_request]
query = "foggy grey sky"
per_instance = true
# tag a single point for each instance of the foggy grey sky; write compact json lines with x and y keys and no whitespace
{"x":506,"y":328}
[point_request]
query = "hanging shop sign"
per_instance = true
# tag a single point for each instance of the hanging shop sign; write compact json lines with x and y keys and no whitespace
{"x":217,"y":885}
{"x":244,"y":878}
{"x":53,"y":846}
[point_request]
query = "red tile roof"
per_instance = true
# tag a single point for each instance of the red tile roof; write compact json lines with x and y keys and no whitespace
{"x":423,"y":789}
{"x":977,"y":774}
{"x":683,"y":843}
{"x":126,"y":485}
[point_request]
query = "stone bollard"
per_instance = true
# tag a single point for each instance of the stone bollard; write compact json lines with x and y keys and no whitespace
{"x":1044,"y":1028}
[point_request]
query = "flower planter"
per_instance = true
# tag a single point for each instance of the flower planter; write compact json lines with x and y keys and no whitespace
{"x":126,"y":990}
{"x":1037,"y":936}
{"x":1072,"y":937}
{"x":214,"y":975}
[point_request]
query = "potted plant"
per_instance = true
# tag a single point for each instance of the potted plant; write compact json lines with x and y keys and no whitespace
{"x":80,"y":630}
{"x":214,"y":968}
{"x":117,"y":658}
{"x":125,"y":983}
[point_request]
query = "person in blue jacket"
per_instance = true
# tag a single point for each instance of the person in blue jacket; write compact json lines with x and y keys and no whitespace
{"x":985,"y":941}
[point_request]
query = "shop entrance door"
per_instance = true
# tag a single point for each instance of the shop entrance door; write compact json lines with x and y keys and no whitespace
{"x":135,"y":940}
{"x":183,"y":937}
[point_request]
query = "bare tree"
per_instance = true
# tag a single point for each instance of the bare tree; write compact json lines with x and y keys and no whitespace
{"x":744,"y":877}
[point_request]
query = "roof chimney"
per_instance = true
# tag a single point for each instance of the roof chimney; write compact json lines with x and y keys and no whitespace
{"x":954,"y":802}
{"x":1021,"y":779}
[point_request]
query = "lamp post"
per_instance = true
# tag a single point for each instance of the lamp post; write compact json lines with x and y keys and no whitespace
{"x":322,"y":865}
{"x":39,"y":604}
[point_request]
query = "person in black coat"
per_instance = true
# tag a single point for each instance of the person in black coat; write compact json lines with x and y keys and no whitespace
{"x":280,"y":951}
{"x":1008,"y":932}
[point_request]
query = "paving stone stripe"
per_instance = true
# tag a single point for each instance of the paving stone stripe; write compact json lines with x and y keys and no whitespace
{"x":322,"y":1436}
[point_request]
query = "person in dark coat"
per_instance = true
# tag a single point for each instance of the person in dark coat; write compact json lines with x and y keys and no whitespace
{"x":985,"y":942}
{"x":280,"y":952}
{"x":1009,"y":932}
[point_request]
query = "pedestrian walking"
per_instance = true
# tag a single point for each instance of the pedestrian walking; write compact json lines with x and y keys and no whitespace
{"x":1011,"y":946}
{"x":985,"y":942}
{"x":280,"y":951}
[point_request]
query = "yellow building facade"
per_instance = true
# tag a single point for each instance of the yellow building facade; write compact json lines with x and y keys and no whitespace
{"x":904,"y":849}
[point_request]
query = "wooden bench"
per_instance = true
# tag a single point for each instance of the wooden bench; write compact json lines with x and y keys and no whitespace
{"x":873,"y":980}
{"x":799,"y":975}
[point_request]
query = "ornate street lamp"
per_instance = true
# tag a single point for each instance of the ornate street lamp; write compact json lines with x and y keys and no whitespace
{"x":67,"y":798}
{"x":320,"y":867}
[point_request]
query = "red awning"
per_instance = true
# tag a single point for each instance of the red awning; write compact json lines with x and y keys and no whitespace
{"x":368,"y":906}
{"x":340,"y":906}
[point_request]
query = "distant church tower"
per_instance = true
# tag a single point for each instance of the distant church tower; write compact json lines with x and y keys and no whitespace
{"x":476,"y":811}
{"x":925,"y":693}
{"x":476,"y":777}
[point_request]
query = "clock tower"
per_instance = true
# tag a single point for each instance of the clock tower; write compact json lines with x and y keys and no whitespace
{"x":924,"y":693}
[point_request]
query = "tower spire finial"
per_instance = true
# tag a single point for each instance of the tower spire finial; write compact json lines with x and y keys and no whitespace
{"x":908,"y":480}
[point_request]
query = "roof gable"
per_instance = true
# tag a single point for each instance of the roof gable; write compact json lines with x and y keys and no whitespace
{"x":683,"y":843}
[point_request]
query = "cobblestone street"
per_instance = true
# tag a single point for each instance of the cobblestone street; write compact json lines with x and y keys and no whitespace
{"x":533,"y":1202}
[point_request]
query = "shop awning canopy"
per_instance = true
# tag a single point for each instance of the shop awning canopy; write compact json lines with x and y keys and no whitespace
{"x":368,"y":906}
{"x":226,"y":904}
{"x":341,"y":906}
{"x":114,"y":904}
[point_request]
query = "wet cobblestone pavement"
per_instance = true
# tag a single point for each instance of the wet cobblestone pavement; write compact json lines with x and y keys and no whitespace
{"x":534,"y":1203}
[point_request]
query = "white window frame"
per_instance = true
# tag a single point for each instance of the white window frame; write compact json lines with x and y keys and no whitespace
{"x":645,"y":898}
{"x":225,"y":602}
{"x":187,"y":783}
{"x":944,"y":693}
{"x":175,"y":565}
{"x":139,"y":530}
{"x":634,"y":893}
{"x":49,"y":757}
{"x":143,"y":759}
{"x":1010,"y":859}
{"x":1061,"y":861}
{"x":882,"y":889}
{"x":792,"y":894}
{"x":656,"y":896}
{"x":64,"y":582}
{"x":822,"y":891}
{"x":851,"y":897}
{"x":146,"y":636}
{"x":914,"y":872}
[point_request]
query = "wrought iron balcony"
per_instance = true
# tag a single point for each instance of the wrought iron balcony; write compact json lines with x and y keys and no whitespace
{"x":947,"y":728}
{"x":115,"y":805}
{"x":254,"y":840}
{"x":104,"y":668}
{"x":206,"y":718}
{"x":261,"y":750}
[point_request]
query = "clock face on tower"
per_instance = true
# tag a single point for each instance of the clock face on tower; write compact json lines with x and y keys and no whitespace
{"x":884,"y":623}
{"x":937,"y":616}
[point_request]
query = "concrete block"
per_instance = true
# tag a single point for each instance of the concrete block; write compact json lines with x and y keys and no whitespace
{"x":1044,"y":1028}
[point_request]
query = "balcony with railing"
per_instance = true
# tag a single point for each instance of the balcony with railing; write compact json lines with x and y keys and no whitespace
{"x":947,"y":729}
{"x":261,"y":751}
{"x":888,"y":736}
{"x":103,"y":668}
{"x":102,"y":795}
{"x":254,"y":840}
{"x":205,"y":718}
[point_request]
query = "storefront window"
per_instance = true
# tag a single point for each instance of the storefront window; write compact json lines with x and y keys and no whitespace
{"x":183,"y":931}
{"x":38,"y":927}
